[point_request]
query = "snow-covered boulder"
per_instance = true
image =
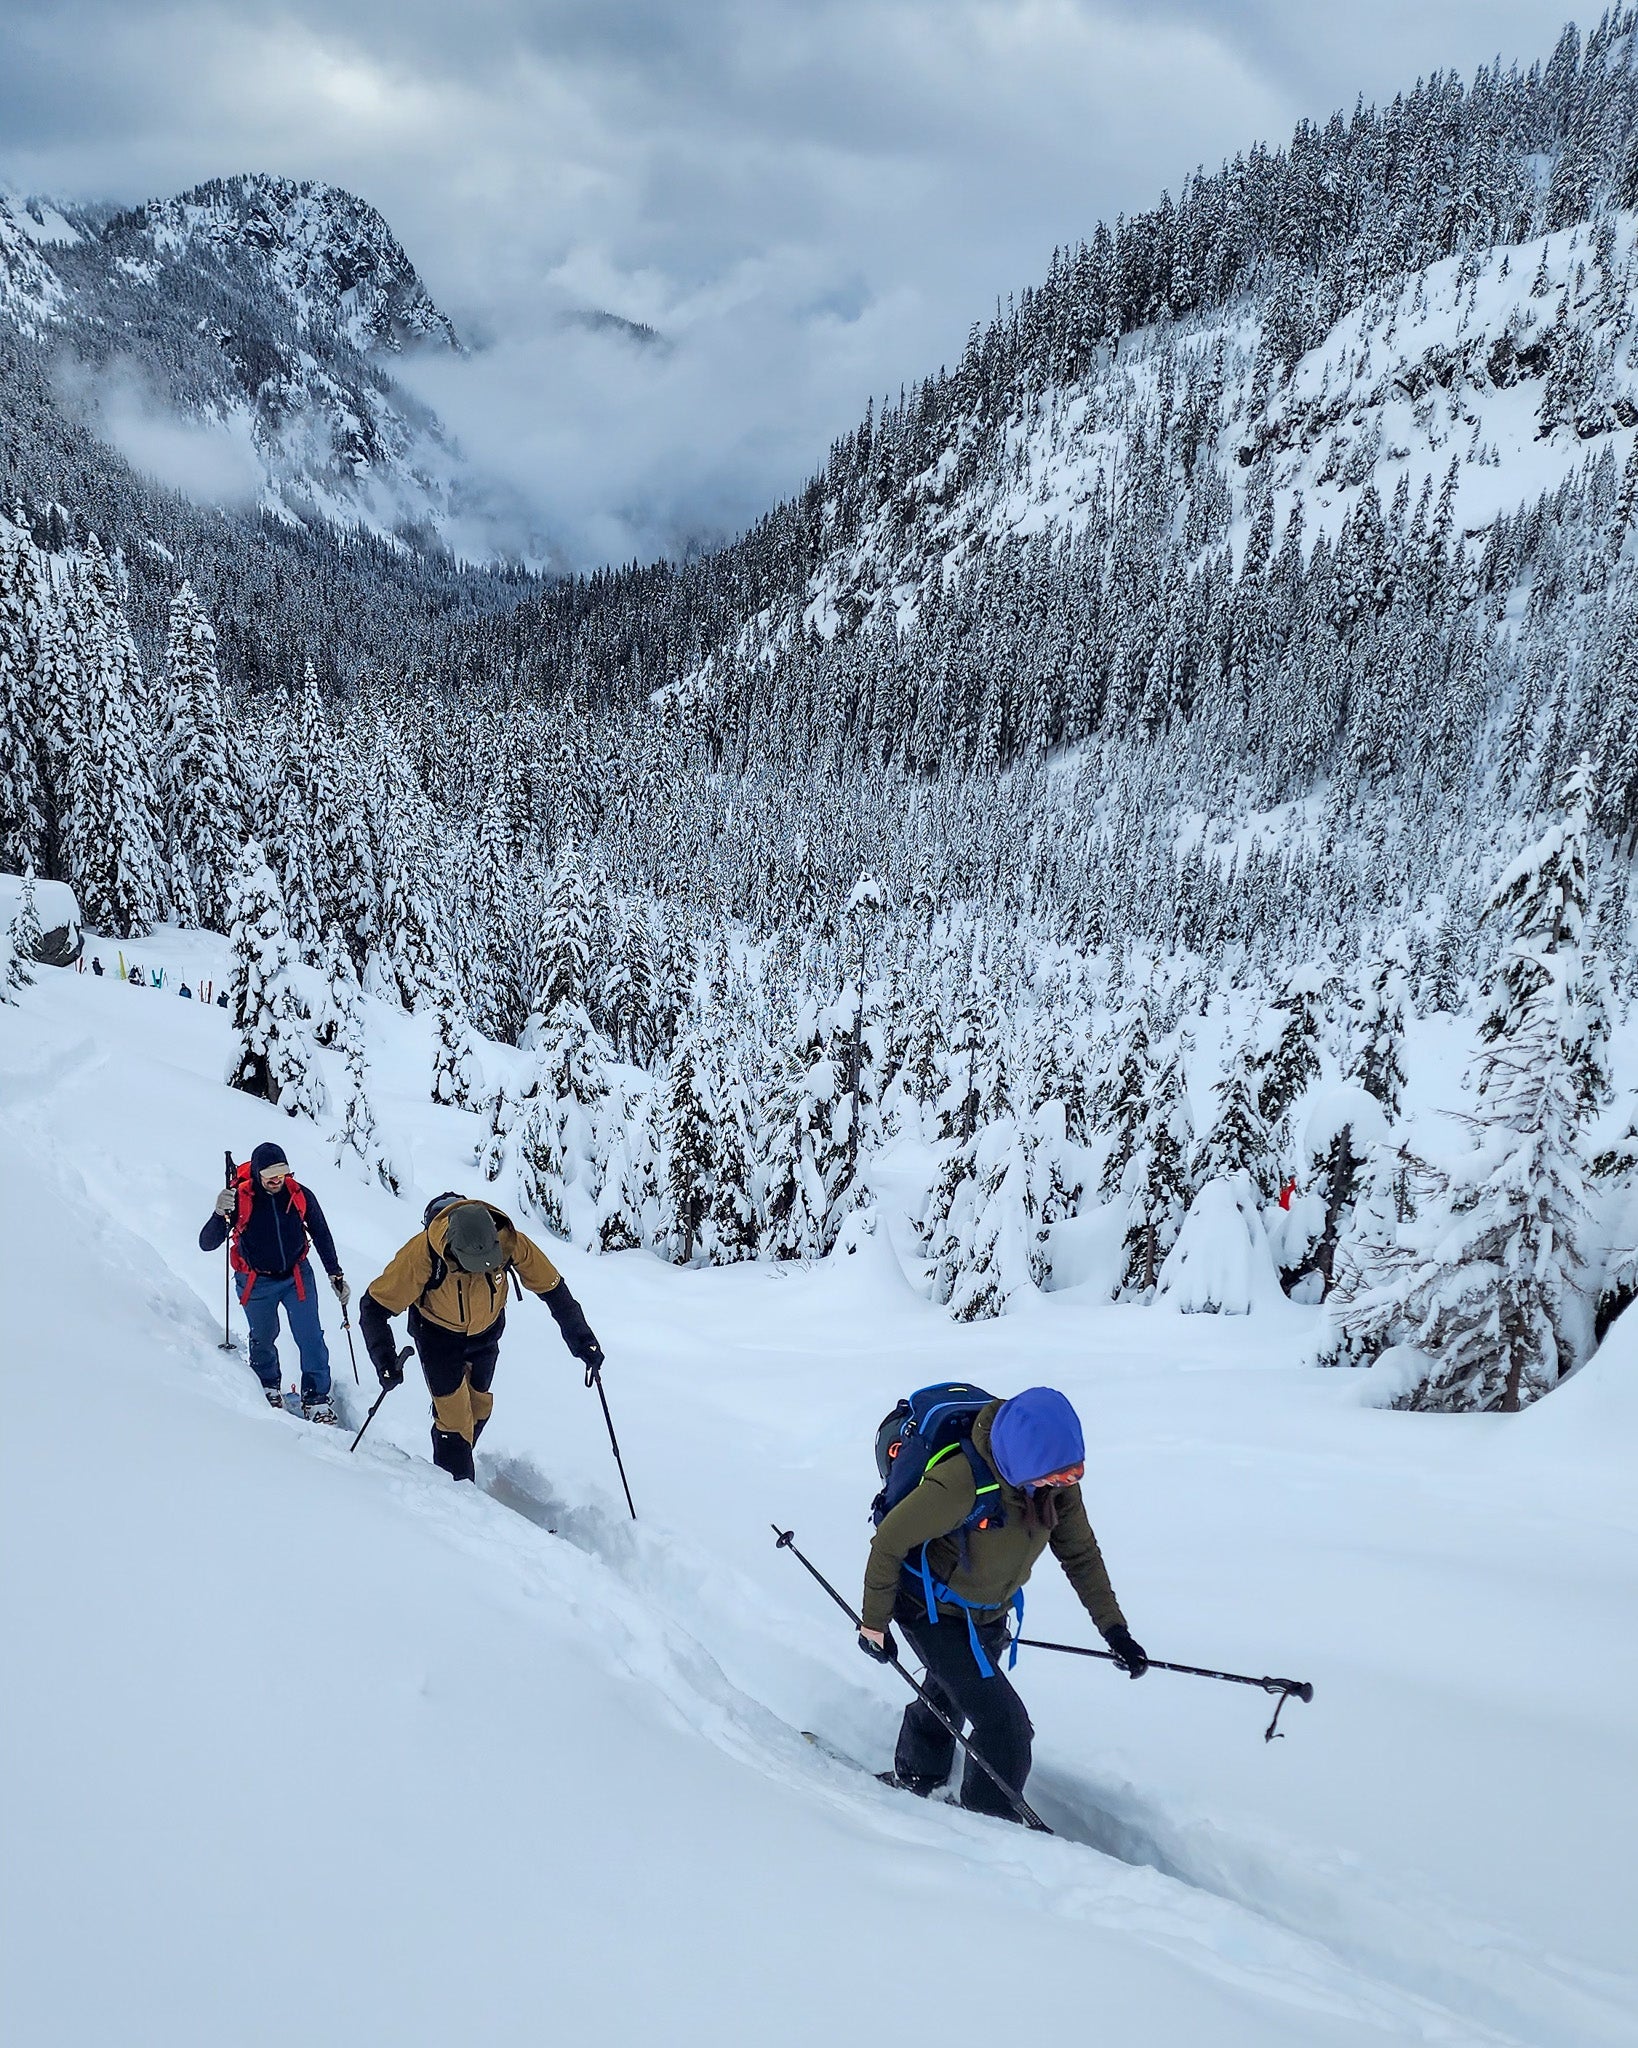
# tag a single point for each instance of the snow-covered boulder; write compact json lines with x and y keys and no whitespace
{"x":1220,"y":1264}
{"x":58,"y":910}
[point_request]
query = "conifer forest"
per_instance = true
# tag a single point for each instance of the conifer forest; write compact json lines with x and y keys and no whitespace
{"x":1171,"y":777}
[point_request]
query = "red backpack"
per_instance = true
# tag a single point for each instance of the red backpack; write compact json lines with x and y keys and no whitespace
{"x":246,"y":1193}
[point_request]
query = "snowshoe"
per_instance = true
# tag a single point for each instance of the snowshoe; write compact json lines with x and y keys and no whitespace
{"x":320,"y":1409}
{"x":275,"y":1396}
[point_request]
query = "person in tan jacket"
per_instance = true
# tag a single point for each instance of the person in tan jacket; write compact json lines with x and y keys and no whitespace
{"x":452,"y":1278}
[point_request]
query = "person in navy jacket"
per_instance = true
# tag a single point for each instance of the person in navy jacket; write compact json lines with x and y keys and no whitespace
{"x":272,"y":1221}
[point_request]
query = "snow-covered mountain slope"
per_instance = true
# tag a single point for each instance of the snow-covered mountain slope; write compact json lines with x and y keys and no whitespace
{"x":1466,"y":364}
{"x":331,"y":257}
{"x":239,"y":343}
{"x":28,"y":291}
{"x":318,"y":1747}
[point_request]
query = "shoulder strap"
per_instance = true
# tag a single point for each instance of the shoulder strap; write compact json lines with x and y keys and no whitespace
{"x":986,"y":1485}
{"x":440,"y":1269}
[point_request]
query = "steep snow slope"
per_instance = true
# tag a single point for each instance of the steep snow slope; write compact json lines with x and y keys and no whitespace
{"x":316,"y":1747}
{"x":1462,"y":362}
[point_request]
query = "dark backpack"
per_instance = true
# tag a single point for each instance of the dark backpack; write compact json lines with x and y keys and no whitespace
{"x":936,"y":1422}
{"x":440,"y":1267}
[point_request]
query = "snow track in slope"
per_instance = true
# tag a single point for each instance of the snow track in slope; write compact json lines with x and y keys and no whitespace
{"x":1262,"y":1899}
{"x":647,"y":1682}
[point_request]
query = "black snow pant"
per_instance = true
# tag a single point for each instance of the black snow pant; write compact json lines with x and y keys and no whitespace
{"x":459,"y":1371}
{"x":1000,"y":1725}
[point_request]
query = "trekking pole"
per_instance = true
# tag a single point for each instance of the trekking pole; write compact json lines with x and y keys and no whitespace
{"x":1287,"y":1688}
{"x":594,"y":1378}
{"x":407,"y":1352}
{"x":351,"y":1353}
{"x":785,"y":1539}
{"x":227,"y":1343}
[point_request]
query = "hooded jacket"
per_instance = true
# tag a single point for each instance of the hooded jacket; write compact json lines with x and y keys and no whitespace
{"x":467,"y":1302}
{"x":986,"y":1566}
{"x":274,"y":1240}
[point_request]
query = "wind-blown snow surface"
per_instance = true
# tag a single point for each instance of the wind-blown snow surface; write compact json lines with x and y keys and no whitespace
{"x":318,"y":1748}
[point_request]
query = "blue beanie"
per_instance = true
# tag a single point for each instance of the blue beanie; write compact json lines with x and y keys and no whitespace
{"x":1035,"y":1433}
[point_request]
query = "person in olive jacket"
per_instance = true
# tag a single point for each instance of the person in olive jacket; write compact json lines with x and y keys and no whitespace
{"x":949,"y":1589}
{"x":452,"y":1278}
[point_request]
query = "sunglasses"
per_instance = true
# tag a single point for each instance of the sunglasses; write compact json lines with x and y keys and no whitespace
{"x":1071,"y":1475}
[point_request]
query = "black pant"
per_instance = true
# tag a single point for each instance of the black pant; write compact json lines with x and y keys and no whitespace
{"x":459,"y":1372}
{"x":1001,"y":1731}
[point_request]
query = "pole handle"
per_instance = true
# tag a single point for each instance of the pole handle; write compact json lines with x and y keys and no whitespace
{"x":407,"y":1352}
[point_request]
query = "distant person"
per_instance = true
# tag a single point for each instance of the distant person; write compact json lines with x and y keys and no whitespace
{"x":948,"y":1573}
{"x":452,"y":1277}
{"x":271,"y":1220}
{"x":96,"y":966}
{"x":185,"y":993}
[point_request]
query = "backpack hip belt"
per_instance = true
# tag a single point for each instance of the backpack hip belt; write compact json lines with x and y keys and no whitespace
{"x":935,"y":1590}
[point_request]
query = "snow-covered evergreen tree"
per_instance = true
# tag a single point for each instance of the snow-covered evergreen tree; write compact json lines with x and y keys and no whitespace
{"x":543,"y":1165}
{"x":631,"y":1210}
{"x":457,"y":1076}
{"x":690,"y":1153}
{"x":202,"y":801}
{"x":1156,"y":1182}
{"x":22,"y":795}
{"x":24,"y":934}
{"x":1238,"y":1140}
{"x":1376,"y":1060}
{"x":108,"y":843}
{"x":1488,"y":1285}
{"x":261,"y":1004}
{"x":1292,"y":1063}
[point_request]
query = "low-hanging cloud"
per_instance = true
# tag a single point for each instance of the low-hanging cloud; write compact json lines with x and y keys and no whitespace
{"x":212,"y":461}
{"x":812,"y":200}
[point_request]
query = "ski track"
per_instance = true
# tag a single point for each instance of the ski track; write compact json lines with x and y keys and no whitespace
{"x":1445,"y":1965}
{"x":1321,"y":1937}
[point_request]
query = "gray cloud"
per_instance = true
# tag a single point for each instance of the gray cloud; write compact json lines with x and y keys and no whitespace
{"x":813,"y":199}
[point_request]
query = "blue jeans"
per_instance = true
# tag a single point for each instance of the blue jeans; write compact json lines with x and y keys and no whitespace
{"x":262,"y":1314}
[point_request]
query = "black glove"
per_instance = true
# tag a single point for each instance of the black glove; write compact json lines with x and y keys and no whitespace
{"x":885,"y":1652}
{"x":573,"y":1328}
{"x":391,"y":1371}
{"x":1129,"y":1654}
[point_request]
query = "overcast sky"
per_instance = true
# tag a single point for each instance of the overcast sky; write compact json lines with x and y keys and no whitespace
{"x":813,"y":199}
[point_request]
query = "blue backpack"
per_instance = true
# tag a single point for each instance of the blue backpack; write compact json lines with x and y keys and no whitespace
{"x":933,"y":1424}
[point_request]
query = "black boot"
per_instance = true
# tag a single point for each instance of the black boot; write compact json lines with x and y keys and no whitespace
{"x":452,"y":1453}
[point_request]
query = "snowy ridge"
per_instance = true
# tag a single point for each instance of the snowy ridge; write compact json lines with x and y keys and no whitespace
{"x":333,"y":257}
{"x":526,"y":1686}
